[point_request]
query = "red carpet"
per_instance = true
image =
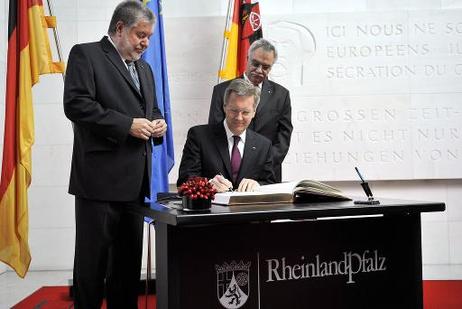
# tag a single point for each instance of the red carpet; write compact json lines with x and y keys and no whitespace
{"x":57,"y":297}
{"x":438,"y":294}
{"x":442,"y":294}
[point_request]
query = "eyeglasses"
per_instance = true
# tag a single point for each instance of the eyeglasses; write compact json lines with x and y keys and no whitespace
{"x":256,"y":64}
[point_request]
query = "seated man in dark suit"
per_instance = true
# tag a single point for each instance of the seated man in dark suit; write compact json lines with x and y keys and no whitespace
{"x":273,"y":114}
{"x":229,"y":153}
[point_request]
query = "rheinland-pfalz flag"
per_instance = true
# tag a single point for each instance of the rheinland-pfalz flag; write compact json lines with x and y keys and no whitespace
{"x":163,"y":157}
{"x":29,"y":55}
{"x":243,"y":27}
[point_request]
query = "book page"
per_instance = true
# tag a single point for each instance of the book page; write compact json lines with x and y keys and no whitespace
{"x":283,"y":187}
{"x":257,"y":197}
{"x":307,"y":183}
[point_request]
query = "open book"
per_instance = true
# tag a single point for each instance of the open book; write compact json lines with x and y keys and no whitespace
{"x":303,"y":191}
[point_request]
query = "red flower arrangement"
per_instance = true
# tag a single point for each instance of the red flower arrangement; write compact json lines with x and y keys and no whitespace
{"x":197,"y":188}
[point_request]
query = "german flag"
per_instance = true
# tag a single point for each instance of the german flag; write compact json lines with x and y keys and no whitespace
{"x":29,"y":55}
{"x":240,"y":33}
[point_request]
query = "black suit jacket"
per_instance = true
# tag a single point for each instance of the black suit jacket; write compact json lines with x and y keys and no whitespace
{"x":272,"y":119}
{"x":206,"y":154}
{"x":101,"y":100}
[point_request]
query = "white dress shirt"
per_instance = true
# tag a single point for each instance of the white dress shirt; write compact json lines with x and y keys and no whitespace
{"x":112,"y":42}
{"x":230,"y":139}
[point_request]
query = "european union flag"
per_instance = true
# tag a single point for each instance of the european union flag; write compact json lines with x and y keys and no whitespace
{"x":163,"y":157}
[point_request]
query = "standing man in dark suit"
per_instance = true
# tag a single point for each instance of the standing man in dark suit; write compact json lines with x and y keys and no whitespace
{"x":229,"y":153}
{"x":273,"y":116}
{"x":109,"y":97}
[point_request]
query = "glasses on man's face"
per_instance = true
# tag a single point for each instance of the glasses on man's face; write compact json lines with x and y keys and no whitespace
{"x":256,"y":64}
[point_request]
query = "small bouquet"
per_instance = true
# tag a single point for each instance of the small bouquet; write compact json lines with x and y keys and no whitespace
{"x":197,"y":188}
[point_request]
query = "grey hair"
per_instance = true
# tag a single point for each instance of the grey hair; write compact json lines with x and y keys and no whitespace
{"x":242,"y":88}
{"x":129,"y":13}
{"x":264,"y":44}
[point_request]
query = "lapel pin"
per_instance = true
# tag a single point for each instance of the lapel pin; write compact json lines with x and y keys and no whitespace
{"x":254,"y":148}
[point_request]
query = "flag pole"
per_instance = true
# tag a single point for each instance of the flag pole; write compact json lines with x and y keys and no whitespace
{"x":56,"y":36}
{"x":224,"y":47}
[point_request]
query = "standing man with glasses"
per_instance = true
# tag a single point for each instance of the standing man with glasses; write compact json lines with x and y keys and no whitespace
{"x":109,"y":96}
{"x":273,"y":114}
{"x":231,"y":155}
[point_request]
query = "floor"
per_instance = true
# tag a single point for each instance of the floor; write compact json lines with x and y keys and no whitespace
{"x":13,"y":289}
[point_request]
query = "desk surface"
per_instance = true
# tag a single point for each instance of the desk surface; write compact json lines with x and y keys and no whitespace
{"x":170,"y":214}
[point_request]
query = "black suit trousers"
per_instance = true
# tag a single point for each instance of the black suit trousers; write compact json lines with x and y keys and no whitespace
{"x":108,"y":249}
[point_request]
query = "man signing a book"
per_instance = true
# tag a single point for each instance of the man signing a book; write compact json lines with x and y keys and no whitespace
{"x":232,"y":156}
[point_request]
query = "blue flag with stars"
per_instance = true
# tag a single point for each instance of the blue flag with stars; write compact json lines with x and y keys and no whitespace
{"x":163,"y":157}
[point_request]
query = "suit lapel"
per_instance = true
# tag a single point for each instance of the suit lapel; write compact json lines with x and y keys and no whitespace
{"x":222,"y":145}
{"x":147,"y":93}
{"x":263,"y":108}
{"x":250,"y":152}
{"x":114,"y":57}
{"x":266,"y":91}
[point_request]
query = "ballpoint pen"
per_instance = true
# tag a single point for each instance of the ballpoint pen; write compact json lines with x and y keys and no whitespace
{"x":230,"y":189}
{"x":359,"y":174}
{"x":367,"y":190}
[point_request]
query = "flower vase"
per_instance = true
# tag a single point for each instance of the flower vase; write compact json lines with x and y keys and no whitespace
{"x":196,"y":204}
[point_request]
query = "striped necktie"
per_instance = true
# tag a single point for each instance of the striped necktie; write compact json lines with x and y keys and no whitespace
{"x":133,"y":73}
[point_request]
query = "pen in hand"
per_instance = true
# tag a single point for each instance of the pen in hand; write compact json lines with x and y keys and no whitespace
{"x":221,"y":183}
{"x":230,"y":189}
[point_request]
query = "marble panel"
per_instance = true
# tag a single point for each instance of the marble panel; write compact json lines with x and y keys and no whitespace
{"x":50,"y":207}
{"x":89,"y":31}
{"x":454,"y":207}
{"x":49,"y":90}
{"x":51,"y":248}
{"x":183,"y":120}
{"x":278,"y":7}
{"x":442,"y":272}
{"x":67,"y":33}
{"x":51,"y":165}
{"x":388,"y":61}
{"x":435,"y":244}
{"x":193,"y":57}
{"x":455,"y":242}
{"x":51,"y":125}
{"x":451,"y":4}
{"x":400,"y":4}
{"x":181,"y":8}
{"x":65,"y":11}
{"x":3,"y":11}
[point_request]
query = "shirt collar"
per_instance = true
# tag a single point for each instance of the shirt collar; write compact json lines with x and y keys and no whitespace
{"x":247,"y":79}
{"x":229,"y":134}
{"x":113,"y":44}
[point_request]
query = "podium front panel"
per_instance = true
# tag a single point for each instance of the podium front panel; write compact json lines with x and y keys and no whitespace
{"x":360,"y":262}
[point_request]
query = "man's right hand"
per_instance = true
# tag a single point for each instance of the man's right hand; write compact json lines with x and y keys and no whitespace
{"x":221,"y":184}
{"x":142,"y":128}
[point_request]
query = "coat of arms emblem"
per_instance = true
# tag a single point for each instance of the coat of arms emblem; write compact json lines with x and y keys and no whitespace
{"x":233,"y":284}
{"x":255,"y":21}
